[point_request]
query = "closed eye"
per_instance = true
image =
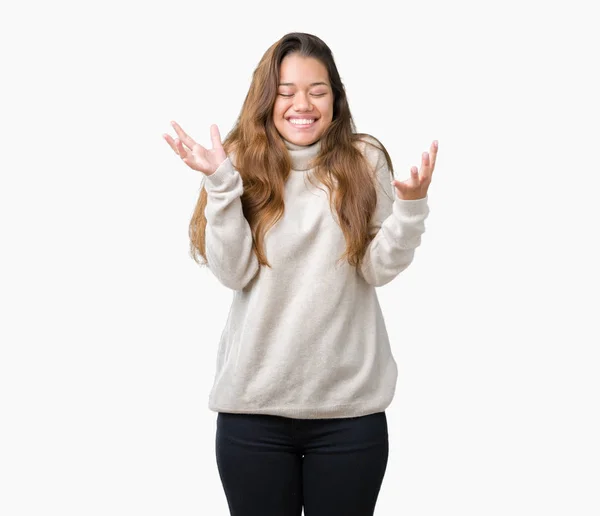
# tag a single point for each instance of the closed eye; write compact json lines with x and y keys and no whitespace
{"x":291,"y":95}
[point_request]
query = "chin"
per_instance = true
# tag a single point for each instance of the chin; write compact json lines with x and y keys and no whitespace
{"x":302,"y":139}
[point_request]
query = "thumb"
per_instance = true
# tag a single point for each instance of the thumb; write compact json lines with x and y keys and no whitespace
{"x":399,"y":186}
{"x":215,"y":137}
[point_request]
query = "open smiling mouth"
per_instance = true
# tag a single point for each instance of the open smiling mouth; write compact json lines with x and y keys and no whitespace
{"x":302,"y":123}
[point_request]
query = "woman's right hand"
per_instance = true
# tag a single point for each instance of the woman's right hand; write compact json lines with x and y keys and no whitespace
{"x":193,"y":154}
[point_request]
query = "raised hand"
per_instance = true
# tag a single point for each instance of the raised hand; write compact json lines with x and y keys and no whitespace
{"x":193,"y":154}
{"x":416,"y":186}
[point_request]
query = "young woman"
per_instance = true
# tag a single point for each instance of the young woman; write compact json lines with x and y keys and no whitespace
{"x":299,"y":215}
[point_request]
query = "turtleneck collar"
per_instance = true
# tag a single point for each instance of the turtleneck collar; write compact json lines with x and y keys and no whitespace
{"x":302,"y":154}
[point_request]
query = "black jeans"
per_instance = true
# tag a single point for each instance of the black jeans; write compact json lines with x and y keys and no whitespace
{"x":276,"y":466}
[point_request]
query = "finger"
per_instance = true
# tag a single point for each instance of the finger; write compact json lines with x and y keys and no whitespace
{"x":411,"y":182}
{"x":425,"y":174}
{"x":215,"y":137}
{"x":184,"y":137}
{"x":171,"y":143}
{"x":414,"y":176}
{"x":433,"y":153}
{"x":180,"y":149}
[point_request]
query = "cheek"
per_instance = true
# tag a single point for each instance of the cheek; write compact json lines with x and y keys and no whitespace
{"x":280,"y":108}
{"x":326,"y":110}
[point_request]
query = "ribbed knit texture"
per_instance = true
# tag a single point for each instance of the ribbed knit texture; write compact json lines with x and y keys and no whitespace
{"x":306,"y":338}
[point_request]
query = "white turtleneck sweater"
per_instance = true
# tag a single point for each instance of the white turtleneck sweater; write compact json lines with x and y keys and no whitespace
{"x":306,"y":338}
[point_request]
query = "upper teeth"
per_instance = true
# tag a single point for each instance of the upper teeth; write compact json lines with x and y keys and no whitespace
{"x":301,"y":121}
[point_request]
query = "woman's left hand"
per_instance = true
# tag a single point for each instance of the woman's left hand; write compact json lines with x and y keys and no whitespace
{"x":416,"y":186}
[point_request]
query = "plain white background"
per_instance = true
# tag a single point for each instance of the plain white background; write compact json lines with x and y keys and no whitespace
{"x":109,"y":330}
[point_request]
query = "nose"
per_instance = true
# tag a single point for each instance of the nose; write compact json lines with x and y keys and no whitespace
{"x":302,"y":102}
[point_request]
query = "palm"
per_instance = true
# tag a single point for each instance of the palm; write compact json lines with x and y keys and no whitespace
{"x":417,"y":185}
{"x":195,"y":155}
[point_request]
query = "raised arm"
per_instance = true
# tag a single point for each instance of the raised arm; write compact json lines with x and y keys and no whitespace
{"x":399,"y":220}
{"x":228,"y":236}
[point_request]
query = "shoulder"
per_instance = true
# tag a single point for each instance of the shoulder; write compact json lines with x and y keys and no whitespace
{"x":372,"y":149}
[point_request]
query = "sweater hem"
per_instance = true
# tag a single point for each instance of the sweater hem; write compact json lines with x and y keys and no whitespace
{"x":332,"y":412}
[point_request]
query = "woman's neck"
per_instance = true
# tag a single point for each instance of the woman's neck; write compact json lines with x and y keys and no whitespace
{"x":301,"y":155}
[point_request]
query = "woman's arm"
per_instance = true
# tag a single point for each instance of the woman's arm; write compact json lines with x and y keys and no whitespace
{"x":228,"y":236}
{"x":399,"y":225}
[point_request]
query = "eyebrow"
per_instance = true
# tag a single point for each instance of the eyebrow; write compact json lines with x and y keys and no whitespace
{"x":311,"y":84}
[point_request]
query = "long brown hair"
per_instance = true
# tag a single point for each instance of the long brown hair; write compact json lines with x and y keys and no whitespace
{"x":263,"y":161}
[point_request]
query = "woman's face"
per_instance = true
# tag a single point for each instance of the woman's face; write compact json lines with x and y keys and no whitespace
{"x":304,"y":95}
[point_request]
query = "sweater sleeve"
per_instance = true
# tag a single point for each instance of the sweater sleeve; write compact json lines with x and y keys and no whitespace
{"x":228,"y":236}
{"x":399,"y":225}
